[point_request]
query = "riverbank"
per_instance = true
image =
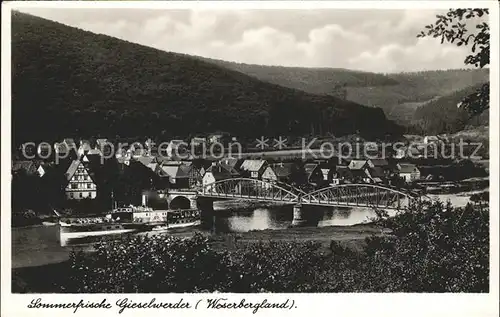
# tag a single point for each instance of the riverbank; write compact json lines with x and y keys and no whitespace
{"x":31,"y":274}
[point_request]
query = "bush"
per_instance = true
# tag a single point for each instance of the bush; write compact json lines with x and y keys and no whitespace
{"x":431,"y":248}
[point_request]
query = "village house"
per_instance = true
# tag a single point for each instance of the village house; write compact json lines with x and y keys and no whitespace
{"x":217,"y":172}
{"x":341,"y":175}
{"x":253,"y":168}
{"x":360,"y":164}
{"x":281,"y":172}
{"x":80,"y":183}
{"x":233,"y":162}
{"x":215,"y":138}
{"x":409,"y":172}
{"x":381,"y":165}
{"x":173,"y":175}
{"x":313,"y":174}
{"x":360,"y":171}
{"x":431,"y":139}
{"x":328,"y":170}
{"x":376,"y":175}
{"x":148,"y":161}
{"x":28,"y":167}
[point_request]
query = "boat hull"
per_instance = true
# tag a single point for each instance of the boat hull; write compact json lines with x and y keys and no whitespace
{"x":163,"y":228}
{"x":94,"y":230}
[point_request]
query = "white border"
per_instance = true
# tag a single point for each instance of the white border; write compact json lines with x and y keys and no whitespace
{"x":337,"y":304}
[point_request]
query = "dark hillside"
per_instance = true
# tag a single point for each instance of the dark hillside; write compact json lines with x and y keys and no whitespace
{"x":443,"y":116}
{"x":313,"y":80}
{"x":69,"y":82}
{"x":399,"y":95}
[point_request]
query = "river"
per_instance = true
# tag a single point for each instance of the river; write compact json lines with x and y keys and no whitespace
{"x":39,"y":245}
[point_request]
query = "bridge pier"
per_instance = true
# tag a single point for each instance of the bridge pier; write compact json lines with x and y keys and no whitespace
{"x":207,"y":214}
{"x":298,"y":216}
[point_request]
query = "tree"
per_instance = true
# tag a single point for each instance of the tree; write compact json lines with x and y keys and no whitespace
{"x":453,"y":28}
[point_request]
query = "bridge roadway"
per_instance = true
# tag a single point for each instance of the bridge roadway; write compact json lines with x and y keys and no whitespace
{"x":347,"y":195}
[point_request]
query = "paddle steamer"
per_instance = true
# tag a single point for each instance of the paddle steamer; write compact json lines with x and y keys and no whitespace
{"x":128,"y":220}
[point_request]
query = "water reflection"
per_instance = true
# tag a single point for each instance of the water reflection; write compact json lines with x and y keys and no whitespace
{"x":249,"y":219}
{"x":253,"y":219}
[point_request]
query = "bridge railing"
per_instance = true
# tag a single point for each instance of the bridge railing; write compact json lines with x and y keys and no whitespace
{"x":249,"y":189}
{"x":368,"y":195}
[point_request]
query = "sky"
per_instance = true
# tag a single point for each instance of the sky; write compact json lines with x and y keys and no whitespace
{"x":369,"y":40}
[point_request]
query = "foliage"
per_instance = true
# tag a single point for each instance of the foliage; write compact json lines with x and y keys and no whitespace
{"x":454,"y":27}
{"x":481,"y":197}
{"x":398,"y":94}
{"x":313,"y":80}
{"x":149,"y":264}
{"x":432,"y":248}
{"x":443,"y":116}
{"x":437,"y":248}
{"x":96,"y":85}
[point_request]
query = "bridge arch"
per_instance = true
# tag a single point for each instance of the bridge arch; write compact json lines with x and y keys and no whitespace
{"x":364,"y":195}
{"x":249,"y":188}
{"x":180,"y":202}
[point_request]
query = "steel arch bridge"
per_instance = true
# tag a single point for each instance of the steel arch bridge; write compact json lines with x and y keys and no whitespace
{"x":347,"y":195}
{"x":360,"y":195}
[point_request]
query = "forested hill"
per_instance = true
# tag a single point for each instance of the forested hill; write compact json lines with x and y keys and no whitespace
{"x":69,"y":82}
{"x":399,"y":94}
{"x":443,"y":116}
{"x":314,"y":80}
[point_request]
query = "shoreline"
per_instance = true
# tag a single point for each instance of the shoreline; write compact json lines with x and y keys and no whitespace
{"x":33,"y":278}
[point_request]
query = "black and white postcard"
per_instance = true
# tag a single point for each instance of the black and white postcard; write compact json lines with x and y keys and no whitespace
{"x":250,"y":158}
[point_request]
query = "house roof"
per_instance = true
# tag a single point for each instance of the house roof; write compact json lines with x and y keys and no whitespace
{"x":309,"y":167}
{"x":377,"y":171}
{"x":72,"y":169}
{"x":221,"y":171}
{"x":357,"y":164}
{"x":233,"y":171}
{"x":152,"y":166}
{"x":432,"y":137}
{"x":146,"y":160}
{"x":173,"y":171}
{"x":252,"y":165}
{"x":232,"y":161}
{"x":282,"y":169}
{"x":29,"y":166}
{"x":379,"y":162}
{"x":358,"y":173}
{"x":344,"y":171}
{"x":407,"y":168}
